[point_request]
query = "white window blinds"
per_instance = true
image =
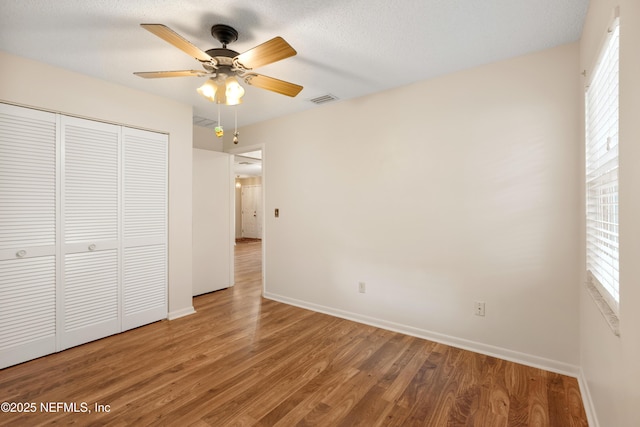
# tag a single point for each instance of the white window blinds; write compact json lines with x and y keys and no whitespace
{"x":601,"y":119}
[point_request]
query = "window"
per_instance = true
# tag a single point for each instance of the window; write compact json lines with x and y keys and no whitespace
{"x":601,"y":154}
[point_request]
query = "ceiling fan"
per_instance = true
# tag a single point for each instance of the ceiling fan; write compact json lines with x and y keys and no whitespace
{"x":223,"y":65}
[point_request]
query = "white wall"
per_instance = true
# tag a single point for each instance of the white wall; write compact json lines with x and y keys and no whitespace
{"x":213,"y":215}
{"x":610,"y":364}
{"x":75,"y":94}
{"x":206,"y":139}
{"x":438,"y":194}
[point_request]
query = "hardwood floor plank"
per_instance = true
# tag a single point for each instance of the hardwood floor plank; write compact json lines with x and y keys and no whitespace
{"x":363,"y":412}
{"x":499,"y":401}
{"x":242,"y":360}
{"x":562,"y":410}
{"x":435,"y":392}
{"x":517,"y":381}
{"x":406,"y":375}
{"x":340,"y":370}
{"x":305,"y":400}
{"x":379,"y":357}
{"x":290,"y":373}
{"x":538,"y":407}
{"x":576,"y":412}
{"x":393,"y":416}
{"x":468,"y":379}
{"x":235,"y":375}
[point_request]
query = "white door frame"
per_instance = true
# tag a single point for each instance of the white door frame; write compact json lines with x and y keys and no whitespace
{"x":246,"y":149}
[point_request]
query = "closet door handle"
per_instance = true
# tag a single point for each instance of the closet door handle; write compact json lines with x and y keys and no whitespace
{"x":21,"y":253}
{"x":92,"y":247}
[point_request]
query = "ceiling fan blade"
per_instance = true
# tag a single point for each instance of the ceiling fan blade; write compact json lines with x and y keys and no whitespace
{"x":274,"y":85}
{"x":160,"y":74}
{"x":168,"y":35}
{"x":274,"y":50}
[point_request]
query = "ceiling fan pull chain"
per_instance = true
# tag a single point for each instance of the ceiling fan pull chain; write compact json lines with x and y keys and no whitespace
{"x":235,"y":130}
{"x":218,"y":129}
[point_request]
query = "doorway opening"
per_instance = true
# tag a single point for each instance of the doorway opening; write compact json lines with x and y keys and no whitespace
{"x":249,"y":202}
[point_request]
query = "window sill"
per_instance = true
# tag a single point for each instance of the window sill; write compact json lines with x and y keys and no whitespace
{"x":605,"y":309}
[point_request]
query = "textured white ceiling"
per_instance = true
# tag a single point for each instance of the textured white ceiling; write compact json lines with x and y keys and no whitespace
{"x":347,"y":48}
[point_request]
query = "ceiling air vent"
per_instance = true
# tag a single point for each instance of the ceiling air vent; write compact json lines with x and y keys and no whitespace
{"x":324,"y":99}
{"x":204,"y":122}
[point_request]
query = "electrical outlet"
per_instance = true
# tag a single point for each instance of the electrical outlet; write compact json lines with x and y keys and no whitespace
{"x":362,"y":287}
{"x":479,"y":308}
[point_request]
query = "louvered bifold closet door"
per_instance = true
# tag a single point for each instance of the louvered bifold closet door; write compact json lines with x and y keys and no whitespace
{"x":27,"y":234}
{"x":145,"y":227}
{"x":90,"y":298}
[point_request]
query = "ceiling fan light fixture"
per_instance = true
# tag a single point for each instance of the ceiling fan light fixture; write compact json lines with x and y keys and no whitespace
{"x":233,"y":101}
{"x":221,"y":97}
{"x":209,"y":90}
{"x":219,"y":91}
{"x":233,"y":91}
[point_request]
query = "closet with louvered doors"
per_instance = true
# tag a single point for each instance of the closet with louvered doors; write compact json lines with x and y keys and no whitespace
{"x":83,"y":236}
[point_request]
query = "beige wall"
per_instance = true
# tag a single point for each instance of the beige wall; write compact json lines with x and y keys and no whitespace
{"x":610,"y":364}
{"x":75,"y":94}
{"x":206,"y":139}
{"x":438,"y":194}
{"x":212,"y":221}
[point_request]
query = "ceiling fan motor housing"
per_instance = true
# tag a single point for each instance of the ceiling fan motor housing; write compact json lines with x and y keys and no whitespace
{"x":224,"y":34}
{"x":222,"y":52}
{"x":223,"y":56}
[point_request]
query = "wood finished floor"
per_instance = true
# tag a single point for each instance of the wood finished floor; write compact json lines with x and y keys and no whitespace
{"x":244,"y":360}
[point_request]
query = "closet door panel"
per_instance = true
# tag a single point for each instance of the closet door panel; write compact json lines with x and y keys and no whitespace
{"x":27,"y":180}
{"x":91,"y":152}
{"x":27,"y":234}
{"x":27,"y":309}
{"x":145,"y":187}
{"x":90,"y":296}
{"x":145,"y":227}
{"x":90,"y":290}
{"x":145,"y":285}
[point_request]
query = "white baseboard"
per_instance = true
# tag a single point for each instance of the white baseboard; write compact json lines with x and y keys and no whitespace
{"x":181,"y":313}
{"x":489,"y":350}
{"x":587,"y":401}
